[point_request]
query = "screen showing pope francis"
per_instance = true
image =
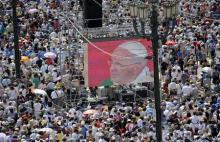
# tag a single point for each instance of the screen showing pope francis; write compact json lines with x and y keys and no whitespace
{"x":118,"y":62}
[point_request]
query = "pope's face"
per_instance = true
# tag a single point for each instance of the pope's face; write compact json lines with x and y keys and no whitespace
{"x":125,"y":66}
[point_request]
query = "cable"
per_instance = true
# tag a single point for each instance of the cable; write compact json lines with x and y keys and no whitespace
{"x":124,"y":18}
{"x":97,"y":3}
{"x":103,"y":51}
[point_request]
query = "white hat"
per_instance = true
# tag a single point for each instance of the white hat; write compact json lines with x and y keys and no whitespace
{"x":111,"y":130}
{"x":206,"y":104}
{"x":134,"y":47}
{"x":59,"y":122}
{"x":196,"y":136}
{"x":82,"y":122}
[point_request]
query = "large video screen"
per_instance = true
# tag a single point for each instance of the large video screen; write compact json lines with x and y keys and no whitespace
{"x":118,"y":62}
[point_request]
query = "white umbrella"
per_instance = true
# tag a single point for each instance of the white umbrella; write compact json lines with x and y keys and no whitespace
{"x":32,"y":11}
{"x":207,"y":70}
{"x":90,"y":112}
{"x":57,"y":79}
{"x":49,"y":131}
{"x":39,"y":91}
{"x":50,"y":55}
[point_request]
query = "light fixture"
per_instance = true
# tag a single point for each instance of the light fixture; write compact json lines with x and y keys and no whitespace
{"x":170,"y":9}
{"x":143,"y":11}
{"x":167,"y":10}
{"x":133,"y":10}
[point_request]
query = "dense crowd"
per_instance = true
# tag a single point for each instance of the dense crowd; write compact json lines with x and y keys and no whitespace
{"x":32,"y":108}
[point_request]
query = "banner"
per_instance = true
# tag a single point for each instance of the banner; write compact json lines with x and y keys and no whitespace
{"x":118,"y":62}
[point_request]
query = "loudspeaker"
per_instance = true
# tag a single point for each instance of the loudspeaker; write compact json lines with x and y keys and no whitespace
{"x":92,"y":13}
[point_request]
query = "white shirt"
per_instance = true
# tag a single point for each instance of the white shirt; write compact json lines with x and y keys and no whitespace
{"x":6,"y":82}
{"x":23,"y":92}
{"x":194,"y":119}
{"x":179,"y":75}
{"x":37,"y":107}
{"x":169,"y":105}
{"x":172,"y":86}
{"x":94,"y":131}
{"x":53,"y":35}
{"x":44,"y":68}
{"x":173,"y":74}
{"x":50,"y":86}
{"x":56,"y":94}
{"x":97,"y":136}
{"x":176,"y":67}
{"x":167,"y":113}
{"x":12,"y":94}
{"x":179,"y":89}
{"x":166,"y":58}
{"x":102,"y":140}
{"x":79,"y":114}
{"x":54,"y":74}
{"x":3,"y":137}
{"x":140,"y":123}
{"x":50,"y":68}
{"x":217,"y":60}
{"x":187,"y":90}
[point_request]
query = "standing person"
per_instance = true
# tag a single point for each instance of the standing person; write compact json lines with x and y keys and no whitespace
{"x":193,"y":77}
{"x":37,"y":108}
{"x":90,"y":137}
{"x":60,"y":136}
{"x":179,"y":89}
{"x":211,"y":47}
{"x":172,"y":87}
{"x":36,"y":80}
{"x":187,"y":90}
{"x":13,"y":94}
{"x":185,"y":76}
{"x":164,"y":67}
{"x":3,"y":137}
{"x":215,"y":76}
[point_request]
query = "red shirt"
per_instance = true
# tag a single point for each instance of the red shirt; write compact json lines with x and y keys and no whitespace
{"x":49,"y":61}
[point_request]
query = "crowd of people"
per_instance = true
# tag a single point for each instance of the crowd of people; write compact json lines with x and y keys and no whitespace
{"x":189,"y":71}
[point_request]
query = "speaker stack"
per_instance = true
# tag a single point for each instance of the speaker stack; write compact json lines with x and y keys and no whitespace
{"x":92,"y":13}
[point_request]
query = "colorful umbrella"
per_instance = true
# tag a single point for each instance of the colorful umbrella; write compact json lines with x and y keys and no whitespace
{"x":50,"y":55}
{"x":32,"y":11}
{"x":90,"y":112}
{"x":170,"y":43}
{"x":24,"y":59}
